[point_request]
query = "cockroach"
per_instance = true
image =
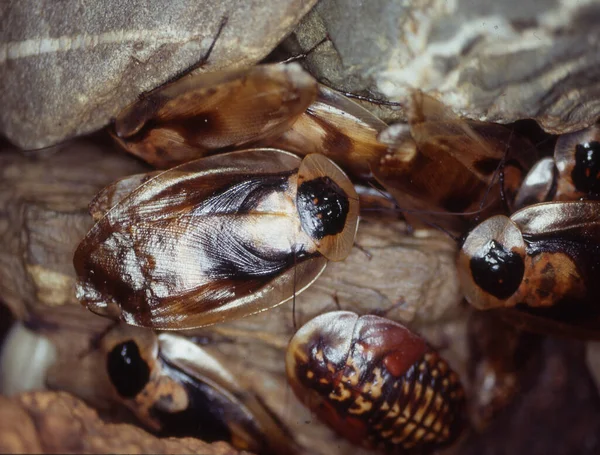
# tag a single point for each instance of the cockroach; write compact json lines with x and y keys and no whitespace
{"x":273,"y":105}
{"x":444,"y":164}
{"x":176,"y":388}
{"x":543,"y":262}
{"x":217,"y":238}
{"x":376,"y":383}
{"x":199,"y":114}
{"x":573,"y":172}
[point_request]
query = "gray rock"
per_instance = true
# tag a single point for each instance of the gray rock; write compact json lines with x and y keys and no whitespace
{"x":68,"y":67}
{"x":487,"y":60}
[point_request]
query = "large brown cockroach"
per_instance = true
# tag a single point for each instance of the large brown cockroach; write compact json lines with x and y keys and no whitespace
{"x":198,"y":114}
{"x":217,"y":238}
{"x":441,"y":163}
{"x":544,"y":260}
{"x":275,"y":105}
{"x":176,"y":388}
{"x":375,"y":382}
{"x":573,"y":173}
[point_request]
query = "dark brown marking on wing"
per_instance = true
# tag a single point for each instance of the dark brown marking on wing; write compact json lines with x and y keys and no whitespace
{"x":224,"y":290}
{"x":334,"y":139}
{"x":456,"y":203}
{"x":203,"y":418}
{"x":194,"y":129}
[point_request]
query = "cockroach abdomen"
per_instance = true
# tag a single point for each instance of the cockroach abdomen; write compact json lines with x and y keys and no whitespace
{"x":378,"y":384}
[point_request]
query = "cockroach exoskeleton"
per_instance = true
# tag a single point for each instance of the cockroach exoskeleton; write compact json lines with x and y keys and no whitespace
{"x":338,"y":128}
{"x":176,"y":388}
{"x":543,"y":261}
{"x":376,"y":383}
{"x":217,"y":238}
{"x":441,"y":163}
{"x":199,"y":114}
{"x":572,"y":174}
{"x":273,"y":105}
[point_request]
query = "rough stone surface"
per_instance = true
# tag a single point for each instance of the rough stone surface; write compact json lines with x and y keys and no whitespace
{"x":487,"y":60}
{"x":68,"y":67}
{"x":56,"y":422}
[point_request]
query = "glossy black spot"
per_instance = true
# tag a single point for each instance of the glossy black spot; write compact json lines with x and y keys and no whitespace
{"x":499,"y":271}
{"x":127,"y":370}
{"x":323,"y":207}
{"x":586,"y":173}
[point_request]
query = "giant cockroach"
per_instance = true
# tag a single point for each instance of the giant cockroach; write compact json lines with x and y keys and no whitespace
{"x":543,"y":261}
{"x":176,"y":388}
{"x":217,"y":238}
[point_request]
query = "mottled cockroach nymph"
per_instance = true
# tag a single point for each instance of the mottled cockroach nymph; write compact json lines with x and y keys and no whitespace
{"x":376,"y":383}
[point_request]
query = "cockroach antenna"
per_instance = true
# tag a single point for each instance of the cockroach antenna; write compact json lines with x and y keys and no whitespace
{"x":498,"y":174}
{"x":303,"y":55}
{"x":371,"y":99}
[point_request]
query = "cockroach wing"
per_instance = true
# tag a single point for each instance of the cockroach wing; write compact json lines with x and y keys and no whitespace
{"x":578,"y":220}
{"x":197,"y":114}
{"x":478,"y":146}
{"x":338,"y":128}
{"x":110,"y":195}
{"x":211,"y":240}
{"x":443,"y":163}
{"x":254,"y":424}
{"x":563,"y":238}
{"x":424,"y":183}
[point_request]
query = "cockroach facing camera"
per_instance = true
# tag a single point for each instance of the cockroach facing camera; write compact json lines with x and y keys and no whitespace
{"x":573,"y":173}
{"x":544,"y":261}
{"x":176,"y":388}
{"x":376,"y":383}
{"x":215,"y":239}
